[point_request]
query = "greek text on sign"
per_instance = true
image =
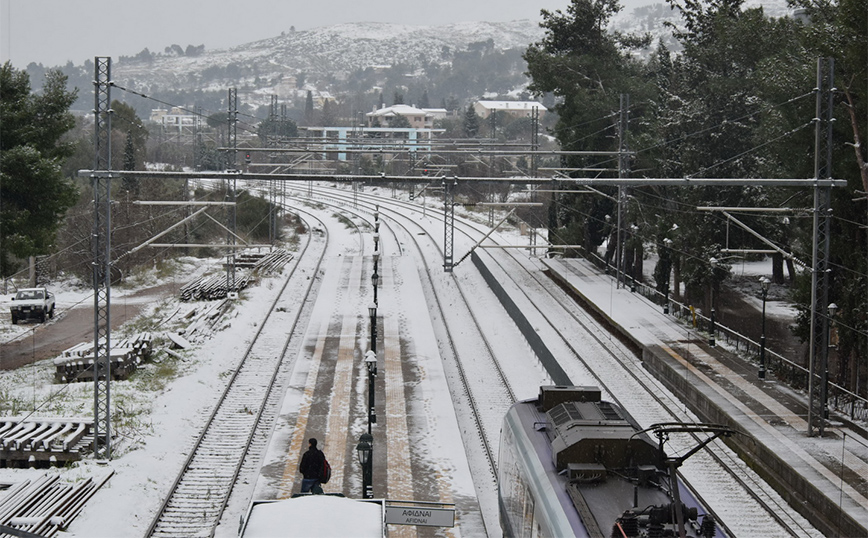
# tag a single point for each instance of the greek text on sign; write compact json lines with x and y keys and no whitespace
{"x":420,"y":515}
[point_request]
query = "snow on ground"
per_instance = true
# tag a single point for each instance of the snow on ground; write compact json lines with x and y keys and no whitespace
{"x":160,"y":418}
{"x":70,"y":292}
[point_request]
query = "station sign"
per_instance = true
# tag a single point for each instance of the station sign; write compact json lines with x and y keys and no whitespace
{"x":427,"y":515}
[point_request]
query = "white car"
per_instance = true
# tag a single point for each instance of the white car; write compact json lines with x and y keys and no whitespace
{"x":32,"y":303}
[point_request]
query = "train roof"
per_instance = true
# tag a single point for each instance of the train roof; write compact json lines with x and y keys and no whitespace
{"x":323,"y":516}
{"x":598,"y":464}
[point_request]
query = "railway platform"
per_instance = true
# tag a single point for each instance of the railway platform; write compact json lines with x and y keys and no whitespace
{"x":418,"y":456}
{"x":823,"y":478}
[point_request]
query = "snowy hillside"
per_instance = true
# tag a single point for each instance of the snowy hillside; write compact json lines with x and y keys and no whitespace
{"x":334,"y":50}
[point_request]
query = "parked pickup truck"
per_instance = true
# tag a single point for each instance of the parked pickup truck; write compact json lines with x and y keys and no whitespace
{"x":32,"y":303}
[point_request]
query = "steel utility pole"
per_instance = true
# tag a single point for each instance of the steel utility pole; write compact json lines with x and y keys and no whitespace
{"x":101,"y":181}
{"x":623,"y":172}
{"x":230,"y":186}
{"x":448,"y":223}
{"x":818,"y":367}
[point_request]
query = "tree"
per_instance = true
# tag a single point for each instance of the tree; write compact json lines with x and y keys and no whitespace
{"x":308,"y":109}
{"x":126,"y":121}
{"x":423,"y":101}
{"x":588,"y":68}
{"x":329,"y":117}
{"x":33,"y":192}
{"x":471,"y":122}
{"x":399,"y":122}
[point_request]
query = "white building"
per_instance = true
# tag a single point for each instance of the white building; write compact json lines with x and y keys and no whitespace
{"x":176,"y":118}
{"x":517,"y":109}
{"x":417,"y":117}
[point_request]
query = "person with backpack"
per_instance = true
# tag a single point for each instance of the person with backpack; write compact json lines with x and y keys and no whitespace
{"x":312,"y":466}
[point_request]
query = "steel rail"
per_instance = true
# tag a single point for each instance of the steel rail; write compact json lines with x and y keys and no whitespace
{"x":195,"y":502}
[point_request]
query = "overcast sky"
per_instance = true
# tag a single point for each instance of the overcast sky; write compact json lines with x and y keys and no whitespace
{"x":51,"y":32}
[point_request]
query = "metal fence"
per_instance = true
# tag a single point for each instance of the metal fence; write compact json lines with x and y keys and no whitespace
{"x":796,"y":376}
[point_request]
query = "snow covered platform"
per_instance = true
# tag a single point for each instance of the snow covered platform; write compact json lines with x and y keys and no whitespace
{"x":823,"y":478}
{"x":417,"y":454}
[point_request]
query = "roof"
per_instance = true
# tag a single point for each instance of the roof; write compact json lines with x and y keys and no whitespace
{"x":511,"y":105}
{"x":398,"y":110}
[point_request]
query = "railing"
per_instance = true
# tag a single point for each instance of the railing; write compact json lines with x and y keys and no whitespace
{"x":796,"y":376}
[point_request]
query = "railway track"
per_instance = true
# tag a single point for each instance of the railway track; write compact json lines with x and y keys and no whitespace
{"x":629,"y":366}
{"x":624,"y":373}
{"x":486,"y":409}
{"x":201,"y":490}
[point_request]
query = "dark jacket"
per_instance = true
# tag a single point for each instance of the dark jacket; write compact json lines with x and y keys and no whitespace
{"x":312,"y":463}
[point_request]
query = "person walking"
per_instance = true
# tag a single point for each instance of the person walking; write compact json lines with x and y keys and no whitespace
{"x":311,"y":468}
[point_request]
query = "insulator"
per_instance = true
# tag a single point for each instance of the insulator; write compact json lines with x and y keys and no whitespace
{"x":629,"y":523}
{"x":655,"y":530}
{"x":708,"y":526}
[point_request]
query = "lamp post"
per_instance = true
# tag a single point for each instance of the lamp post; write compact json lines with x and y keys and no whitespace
{"x":711,"y":342}
{"x":633,"y":229}
{"x":372,"y":312}
{"x":365,"y":450}
{"x":764,"y":283}
{"x":668,"y":244}
{"x":371,"y":363}
{"x":824,"y":398}
{"x":375,"y":277}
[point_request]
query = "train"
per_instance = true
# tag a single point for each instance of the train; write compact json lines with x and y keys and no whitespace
{"x":572,"y":464}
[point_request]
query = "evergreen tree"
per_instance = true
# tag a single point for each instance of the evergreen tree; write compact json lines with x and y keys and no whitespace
{"x":471,"y":122}
{"x":308,"y":109}
{"x":587,"y":68}
{"x":400,"y":122}
{"x":33,"y":192}
{"x":329,"y":116}
{"x":423,"y":101}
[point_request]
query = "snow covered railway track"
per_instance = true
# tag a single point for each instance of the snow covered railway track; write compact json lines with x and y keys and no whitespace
{"x":347,"y":204}
{"x":200,"y":492}
{"x":487,"y":407}
{"x":622,"y":373}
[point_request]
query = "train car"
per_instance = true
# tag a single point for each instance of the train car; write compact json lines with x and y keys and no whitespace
{"x":574,"y":465}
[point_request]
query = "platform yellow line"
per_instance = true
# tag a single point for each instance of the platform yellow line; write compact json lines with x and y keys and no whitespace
{"x":399,"y":483}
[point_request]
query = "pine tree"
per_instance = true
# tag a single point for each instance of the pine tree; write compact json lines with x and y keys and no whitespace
{"x":34,"y":192}
{"x":308,"y":109}
{"x":471,"y":122}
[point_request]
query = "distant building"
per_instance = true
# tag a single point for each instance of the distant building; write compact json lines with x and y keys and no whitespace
{"x":286,"y":88}
{"x":417,"y":118}
{"x":174,"y":119}
{"x":517,"y":109}
{"x":437,"y":113}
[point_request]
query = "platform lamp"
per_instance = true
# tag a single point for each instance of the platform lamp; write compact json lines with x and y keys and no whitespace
{"x":376,"y":240}
{"x":833,"y":309}
{"x":375,"y":278}
{"x":376,"y":256}
{"x":634,"y":229}
{"x":713,"y":263}
{"x":365,"y":451}
{"x":764,"y":283}
{"x":668,"y":244}
{"x":371,"y":363}
{"x":372,"y":312}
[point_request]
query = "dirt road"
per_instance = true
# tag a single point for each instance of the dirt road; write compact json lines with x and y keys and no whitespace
{"x":74,"y":326}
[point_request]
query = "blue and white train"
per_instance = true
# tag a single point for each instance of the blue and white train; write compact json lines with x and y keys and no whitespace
{"x":573,"y":465}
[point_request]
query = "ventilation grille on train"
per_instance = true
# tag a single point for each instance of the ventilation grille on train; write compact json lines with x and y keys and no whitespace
{"x":570,"y":412}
